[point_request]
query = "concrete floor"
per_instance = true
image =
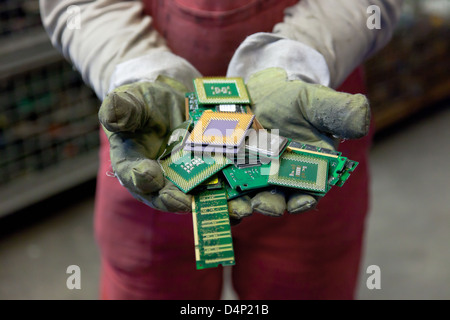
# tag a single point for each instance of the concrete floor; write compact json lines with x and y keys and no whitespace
{"x":408,"y":234}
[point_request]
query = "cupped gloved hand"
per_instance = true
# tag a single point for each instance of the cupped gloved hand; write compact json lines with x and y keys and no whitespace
{"x":308,"y":113}
{"x":138,"y":118}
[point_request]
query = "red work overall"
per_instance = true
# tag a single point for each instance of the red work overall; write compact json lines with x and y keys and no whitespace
{"x":148,"y":254}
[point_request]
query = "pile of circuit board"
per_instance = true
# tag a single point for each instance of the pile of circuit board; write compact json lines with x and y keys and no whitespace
{"x":222,"y":152}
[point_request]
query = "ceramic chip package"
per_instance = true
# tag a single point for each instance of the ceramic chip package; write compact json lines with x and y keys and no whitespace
{"x":187,"y":170}
{"x":221,"y":90}
{"x":301,"y":172}
{"x":219,"y":132}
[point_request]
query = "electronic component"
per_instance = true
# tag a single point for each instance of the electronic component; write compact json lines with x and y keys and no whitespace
{"x":243,"y":158}
{"x":340,"y":176}
{"x":212,"y":230}
{"x":266,"y":144}
{"x":256,"y":124}
{"x":233,"y":193}
{"x":193,"y":110}
{"x":217,"y":134}
{"x":297,"y":146}
{"x":224,"y":131}
{"x":231,"y":108}
{"x":211,"y":184}
{"x":301,"y":172}
{"x":339,"y":168}
{"x":248,"y":163}
{"x":221,"y":90}
{"x":187,"y":170}
{"x":243,"y":179}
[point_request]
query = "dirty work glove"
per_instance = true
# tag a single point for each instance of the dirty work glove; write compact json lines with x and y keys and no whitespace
{"x":138,"y":118}
{"x":308,"y":113}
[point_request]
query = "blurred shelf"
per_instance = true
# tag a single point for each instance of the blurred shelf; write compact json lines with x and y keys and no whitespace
{"x":48,"y":116}
{"x":396,"y":111}
{"x":40,"y":185}
{"x":26,"y":51}
{"x":411,"y":73}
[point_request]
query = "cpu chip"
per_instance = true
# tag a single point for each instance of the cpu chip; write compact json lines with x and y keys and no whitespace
{"x":187,"y":170}
{"x":222,"y":129}
{"x":221,"y":90}
{"x":299,"y":171}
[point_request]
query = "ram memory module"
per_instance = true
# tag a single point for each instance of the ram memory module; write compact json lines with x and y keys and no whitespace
{"x":212,"y":230}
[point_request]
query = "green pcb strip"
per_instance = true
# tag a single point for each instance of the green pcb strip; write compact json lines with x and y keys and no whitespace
{"x":242,"y":179}
{"x":195,"y":110}
{"x":212,"y":230}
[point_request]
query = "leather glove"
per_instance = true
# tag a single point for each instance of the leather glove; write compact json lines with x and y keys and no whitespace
{"x":308,"y":113}
{"x":138,"y":118}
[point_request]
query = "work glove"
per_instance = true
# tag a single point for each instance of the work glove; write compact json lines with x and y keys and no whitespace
{"x":308,"y":113}
{"x":138,"y":119}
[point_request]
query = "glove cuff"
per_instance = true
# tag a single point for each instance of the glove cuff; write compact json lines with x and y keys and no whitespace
{"x":266,"y":50}
{"x":151,"y":66}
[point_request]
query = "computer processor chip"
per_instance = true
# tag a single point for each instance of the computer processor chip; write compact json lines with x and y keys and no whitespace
{"x":299,"y":171}
{"x":266,"y":144}
{"x":221,"y":90}
{"x":220,"y":129}
{"x":187,"y":170}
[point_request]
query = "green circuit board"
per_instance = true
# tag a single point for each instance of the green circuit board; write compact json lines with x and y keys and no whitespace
{"x":339,"y":167}
{"x":221,"y":90}
{"x":243,"y":179}
{"x":212,"y":230}
{"x":222,"y":152}
{"x":195,"y":110}
{"x":187,"y":170}
{"x":301,"y":172}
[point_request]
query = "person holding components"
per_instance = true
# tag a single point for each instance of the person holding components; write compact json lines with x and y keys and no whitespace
{"x":300,"y":62}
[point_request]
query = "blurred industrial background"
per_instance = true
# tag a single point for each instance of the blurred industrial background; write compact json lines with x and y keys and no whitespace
{"x":49,"y":143}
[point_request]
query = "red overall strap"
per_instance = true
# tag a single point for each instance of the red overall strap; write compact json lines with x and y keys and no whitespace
{"x":206,"y":33}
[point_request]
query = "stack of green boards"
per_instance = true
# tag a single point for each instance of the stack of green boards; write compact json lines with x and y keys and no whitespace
{"x":219,"y":112}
